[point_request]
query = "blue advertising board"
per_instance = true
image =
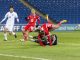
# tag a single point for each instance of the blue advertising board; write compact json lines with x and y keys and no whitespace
{"x":64,"y":27}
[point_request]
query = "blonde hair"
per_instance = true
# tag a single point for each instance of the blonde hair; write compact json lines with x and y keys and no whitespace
{"x":32,"y":10}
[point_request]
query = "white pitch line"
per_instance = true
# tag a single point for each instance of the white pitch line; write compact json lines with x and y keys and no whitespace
{"x":7,"y":55}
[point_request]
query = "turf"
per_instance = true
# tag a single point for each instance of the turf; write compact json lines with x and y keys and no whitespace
{"x":68,"y":48}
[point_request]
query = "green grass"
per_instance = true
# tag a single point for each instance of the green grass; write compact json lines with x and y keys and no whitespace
{"x":68,"y":48}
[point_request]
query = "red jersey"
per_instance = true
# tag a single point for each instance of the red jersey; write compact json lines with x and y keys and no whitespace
{"x":32,"y":22}
{"x":46,"y":27}
{"x":33,"y":19}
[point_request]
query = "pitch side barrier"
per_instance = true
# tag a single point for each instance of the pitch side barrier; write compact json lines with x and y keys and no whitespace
{"x":64,"y":27}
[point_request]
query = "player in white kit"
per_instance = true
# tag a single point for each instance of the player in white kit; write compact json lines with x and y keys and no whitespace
{"x":11,"y":16}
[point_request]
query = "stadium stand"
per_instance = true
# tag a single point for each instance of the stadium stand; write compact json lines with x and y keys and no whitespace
{"x":57,"y":9}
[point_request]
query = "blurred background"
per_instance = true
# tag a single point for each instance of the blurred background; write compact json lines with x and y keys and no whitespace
{"x":57,"y":9}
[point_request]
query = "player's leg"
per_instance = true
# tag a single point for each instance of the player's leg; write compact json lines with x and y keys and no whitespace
{"x":54,"y":39}
{"x":38,"y":40}
{"x":48,"y":36}
{"x":49,"y":40}
{"x":28,"y":28}
{"x":27,"y":33}
{"x":11,"y":30}
{"x":46,"y":31}
{"x":6,"y":29}
{"x":5,"y":33}
{"x":14,"y":34}
{"x":24,"y":34}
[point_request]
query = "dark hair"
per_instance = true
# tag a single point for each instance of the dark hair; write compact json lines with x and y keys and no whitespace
{"x":11,"y":6}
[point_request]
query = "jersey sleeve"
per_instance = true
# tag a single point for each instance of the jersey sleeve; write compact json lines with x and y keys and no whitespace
{"x":28,"y":18}
{"x":16,"y":15}
{"x":6,"y":16}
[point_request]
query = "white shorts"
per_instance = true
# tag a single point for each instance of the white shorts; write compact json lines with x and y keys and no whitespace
{"x":9,"y":27}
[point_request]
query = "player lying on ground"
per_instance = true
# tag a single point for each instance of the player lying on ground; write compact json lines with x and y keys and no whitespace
{"x":10,"y":16}
{"x":43,"y":40}
{"x":46,"y":28}
{"x":32,"y":19}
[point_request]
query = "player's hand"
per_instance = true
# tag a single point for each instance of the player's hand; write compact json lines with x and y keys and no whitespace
{"x":18,"y":20}
{"x":63,"y":21}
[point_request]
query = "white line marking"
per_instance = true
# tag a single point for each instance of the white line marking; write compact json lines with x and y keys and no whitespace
{"x":7,"y":55}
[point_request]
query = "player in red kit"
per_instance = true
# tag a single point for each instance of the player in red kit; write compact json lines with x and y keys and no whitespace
{"x":43,"y":40}
{"x":46,"y":27}
{"x":32,"y":19}
{"x":44,"y":37}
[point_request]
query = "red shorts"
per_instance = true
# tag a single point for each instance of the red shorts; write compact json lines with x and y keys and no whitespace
{"x":30,"y":27}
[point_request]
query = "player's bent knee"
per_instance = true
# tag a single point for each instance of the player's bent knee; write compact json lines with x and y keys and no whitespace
{"x":55,"y":41}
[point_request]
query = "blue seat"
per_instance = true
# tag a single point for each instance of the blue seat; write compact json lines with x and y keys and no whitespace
{"x":57,"y":9}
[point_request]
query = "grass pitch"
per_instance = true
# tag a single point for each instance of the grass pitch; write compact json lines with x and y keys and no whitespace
{"x":68,"y":48}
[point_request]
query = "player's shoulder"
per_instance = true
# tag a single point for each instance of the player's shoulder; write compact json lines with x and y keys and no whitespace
{"x":8,"y":13}
{"x":15,"y":12}
{"x":30,"y":16}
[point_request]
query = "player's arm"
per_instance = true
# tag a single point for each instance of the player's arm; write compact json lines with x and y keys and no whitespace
{"x":17,"y":20}
{"x":27,"y":18}
{"x":47,"y":17}
{"x":59,"y":24}
{"x":17,"y":17}
{"x":4,"y":18}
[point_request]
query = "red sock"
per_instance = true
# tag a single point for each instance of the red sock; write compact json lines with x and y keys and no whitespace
{"x":41,"y":43}
{"x":25,"y":36}
{"x":49,"y":40}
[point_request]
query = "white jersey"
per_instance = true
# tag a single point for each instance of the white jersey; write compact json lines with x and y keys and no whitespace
{"x":11,"y":17}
